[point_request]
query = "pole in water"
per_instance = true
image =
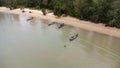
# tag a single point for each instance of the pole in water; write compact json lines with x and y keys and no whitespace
{"x":64,"y":45}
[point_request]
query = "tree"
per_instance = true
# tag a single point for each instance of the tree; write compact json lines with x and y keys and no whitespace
{"x":59,"y":8}
{"x":12,"y":4}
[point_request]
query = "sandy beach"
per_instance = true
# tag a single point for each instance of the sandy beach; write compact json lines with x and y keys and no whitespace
{"x":100,"y":28}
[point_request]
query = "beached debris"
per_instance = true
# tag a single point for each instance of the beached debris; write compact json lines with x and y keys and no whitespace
{"x":61,"y":25}
{"x":44,"y":11}
{"x":23,"y":11}
{"x":30,"y":18}
{"x":21,"y":8}
{"x":73,"y":37}
{"x":63,"y":15}
{"x":30,"y":11}
{"x":51,"y":23}
{"x":11,"y":8}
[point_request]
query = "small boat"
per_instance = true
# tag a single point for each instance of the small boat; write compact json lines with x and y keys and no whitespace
{"x":30,"y":19}
{"x":73,"y":37}
{"x":61,"y":25}
{"x":51,"y":23}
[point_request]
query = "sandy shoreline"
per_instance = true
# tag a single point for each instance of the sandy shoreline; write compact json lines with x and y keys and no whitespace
{"x":100,"y":28}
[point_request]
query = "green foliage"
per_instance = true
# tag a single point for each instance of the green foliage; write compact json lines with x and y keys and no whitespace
{"x":43,"y":10}
{"x":12,"y":4}
{"x":0,"y":4}
{"x":58,"y":8}
{"x":115,"y":18}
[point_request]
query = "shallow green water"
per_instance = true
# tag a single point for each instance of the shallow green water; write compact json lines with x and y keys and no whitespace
{"x":34,"y":44}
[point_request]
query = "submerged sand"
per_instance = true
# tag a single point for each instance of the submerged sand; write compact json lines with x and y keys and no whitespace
{"x":100,"y":28}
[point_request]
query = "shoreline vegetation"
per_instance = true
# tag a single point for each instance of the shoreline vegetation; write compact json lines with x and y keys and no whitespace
{"x":99,"y":28}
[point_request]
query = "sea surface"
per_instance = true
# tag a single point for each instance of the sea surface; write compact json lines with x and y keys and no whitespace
{"x":34,"y":44}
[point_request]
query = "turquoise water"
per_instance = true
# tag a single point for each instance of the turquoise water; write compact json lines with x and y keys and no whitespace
{"x":34,"y":44}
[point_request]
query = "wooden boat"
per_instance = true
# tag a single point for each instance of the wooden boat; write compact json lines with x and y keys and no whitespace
{"x":51,"y":23}
{"x":30,"y":19}
{"x":73,"y":37}
{"x":61,"y":25}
